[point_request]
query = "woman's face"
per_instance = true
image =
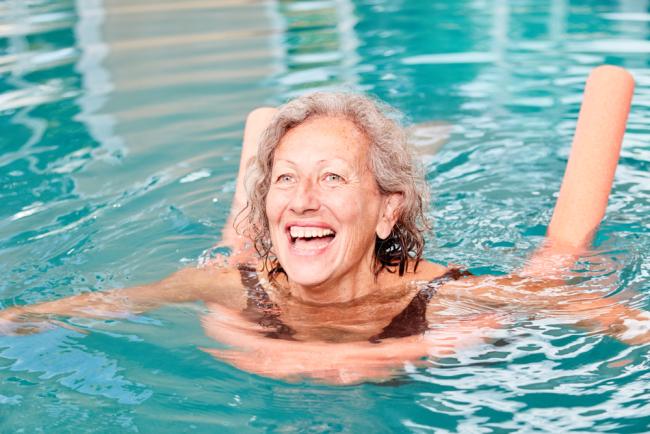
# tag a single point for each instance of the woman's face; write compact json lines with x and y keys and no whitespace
{"x":323,"y":206}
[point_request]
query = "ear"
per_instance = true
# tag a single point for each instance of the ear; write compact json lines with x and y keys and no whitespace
{"x":390,"y":212}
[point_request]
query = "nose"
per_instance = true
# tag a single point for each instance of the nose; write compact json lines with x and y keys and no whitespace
{"x":305,"y":198}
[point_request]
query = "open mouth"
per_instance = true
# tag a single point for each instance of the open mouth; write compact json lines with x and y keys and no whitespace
{"x":310,"y":237}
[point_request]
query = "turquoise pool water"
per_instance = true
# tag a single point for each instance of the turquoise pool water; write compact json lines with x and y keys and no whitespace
{"x":121,"y":126}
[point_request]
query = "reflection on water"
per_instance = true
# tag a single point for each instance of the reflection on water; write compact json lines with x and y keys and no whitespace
{"x":121,"y":126}
{"x":318,"y":49}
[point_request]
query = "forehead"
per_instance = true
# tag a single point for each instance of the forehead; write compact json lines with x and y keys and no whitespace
{"x":326,"y":137}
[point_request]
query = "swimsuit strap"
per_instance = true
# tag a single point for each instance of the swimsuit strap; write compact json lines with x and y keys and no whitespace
{"x":413,"y":319}
{"x":259,"y":307}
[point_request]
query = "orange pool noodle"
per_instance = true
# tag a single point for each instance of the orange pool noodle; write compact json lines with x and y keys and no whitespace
{"x":594,"y":155}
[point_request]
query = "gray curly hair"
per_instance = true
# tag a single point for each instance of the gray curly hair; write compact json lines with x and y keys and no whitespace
{"x":391,"y":159}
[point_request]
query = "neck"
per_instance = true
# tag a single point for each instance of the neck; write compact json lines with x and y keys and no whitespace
{"x":342,"y":292}
{"x":349,"y":287}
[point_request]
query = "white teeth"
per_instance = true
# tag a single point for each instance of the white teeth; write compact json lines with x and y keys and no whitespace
{"x":309,"y":232}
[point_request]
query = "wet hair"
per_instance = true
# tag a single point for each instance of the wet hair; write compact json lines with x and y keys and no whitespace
{"x":391,"y":160}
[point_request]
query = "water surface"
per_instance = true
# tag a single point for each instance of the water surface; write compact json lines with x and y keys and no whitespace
{"x":121,"y":129}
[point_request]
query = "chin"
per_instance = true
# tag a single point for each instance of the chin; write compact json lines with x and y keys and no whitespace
{"x":305,"y":276}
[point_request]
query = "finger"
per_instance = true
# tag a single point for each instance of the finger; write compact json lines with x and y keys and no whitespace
{"x":21,"y":328}
{"x":69,"y":327}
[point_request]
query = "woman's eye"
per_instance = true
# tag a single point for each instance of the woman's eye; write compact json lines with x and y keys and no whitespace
{"x":333,"y":177}
{"x":284,"y":179}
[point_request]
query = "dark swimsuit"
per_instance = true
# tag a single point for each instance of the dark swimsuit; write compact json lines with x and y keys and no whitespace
{"x":411,"y":321}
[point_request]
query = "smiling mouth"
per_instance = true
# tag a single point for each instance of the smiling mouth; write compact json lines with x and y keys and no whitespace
{"x":307,"y":238}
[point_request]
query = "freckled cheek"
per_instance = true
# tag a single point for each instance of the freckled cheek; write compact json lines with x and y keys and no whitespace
{"x":355,"y":216}
{"x":346,"y":209}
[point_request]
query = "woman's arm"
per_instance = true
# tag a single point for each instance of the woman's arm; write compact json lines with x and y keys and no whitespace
{"x":542,"y":282}
{"x":242,"y":249}
{"x":210,"y":284}
{"x":207,"y":283}
{"x":337,"y":363}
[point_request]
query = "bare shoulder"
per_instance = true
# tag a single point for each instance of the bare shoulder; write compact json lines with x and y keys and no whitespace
{"x":424,"y":271}
{"x":427,"y":271}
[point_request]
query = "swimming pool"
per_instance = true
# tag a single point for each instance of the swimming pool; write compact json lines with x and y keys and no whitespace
{"x":121,"y":131}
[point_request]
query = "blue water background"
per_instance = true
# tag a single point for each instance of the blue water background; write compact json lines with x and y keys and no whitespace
{"x":121,"y":129}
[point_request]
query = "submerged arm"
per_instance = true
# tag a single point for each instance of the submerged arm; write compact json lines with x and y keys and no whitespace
{"x":337,"y":363}
{"x":190,"y":284}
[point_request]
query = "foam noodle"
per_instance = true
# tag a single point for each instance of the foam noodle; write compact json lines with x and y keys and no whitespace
{"x":594,"y":156}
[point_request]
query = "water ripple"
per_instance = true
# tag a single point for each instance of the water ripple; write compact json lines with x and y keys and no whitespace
{"x":121,"y":135}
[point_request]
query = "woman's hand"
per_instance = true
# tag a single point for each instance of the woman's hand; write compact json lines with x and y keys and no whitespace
{"x":17,"y":320}
{"x":335,"y":363}
{"x":584,"y":304}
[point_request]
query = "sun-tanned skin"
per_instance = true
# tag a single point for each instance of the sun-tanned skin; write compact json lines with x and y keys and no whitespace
{"x":332,"y":302}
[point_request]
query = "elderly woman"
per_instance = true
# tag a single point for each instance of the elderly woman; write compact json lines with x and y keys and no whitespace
{"x":326,"y":277}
